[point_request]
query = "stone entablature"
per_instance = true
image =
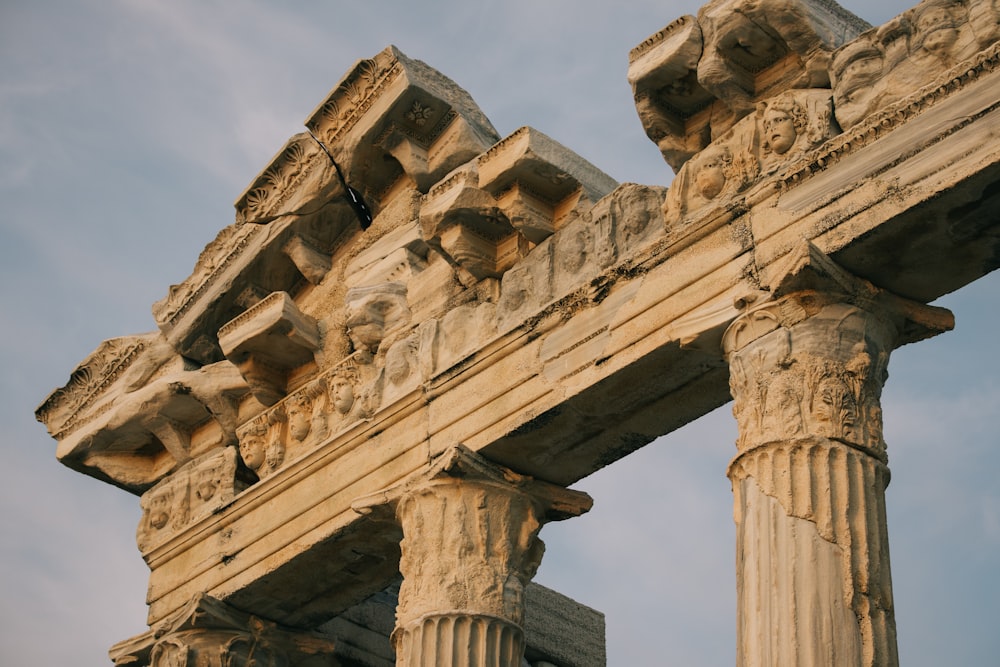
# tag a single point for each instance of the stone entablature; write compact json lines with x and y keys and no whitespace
{"x":510,"y":298}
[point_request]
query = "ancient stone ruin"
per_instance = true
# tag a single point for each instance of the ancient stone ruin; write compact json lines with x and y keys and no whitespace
{"x":376,"y":385}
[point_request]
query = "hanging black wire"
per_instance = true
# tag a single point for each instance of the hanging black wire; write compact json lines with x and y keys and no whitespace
{"x":354,"y":198}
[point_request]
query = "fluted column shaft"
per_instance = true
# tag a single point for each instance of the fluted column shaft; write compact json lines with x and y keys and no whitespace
{"x":813,"y":579}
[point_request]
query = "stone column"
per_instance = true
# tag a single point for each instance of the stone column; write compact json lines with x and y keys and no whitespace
{"x":806,"y":373}
{"x":210,"y":633}
{"x":470,"y":545}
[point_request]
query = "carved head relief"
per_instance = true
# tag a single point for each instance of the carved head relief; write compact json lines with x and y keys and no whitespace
{"x":783,"y":122}
{"x":342,"y":391}
{"x":206,"y":484}
{"x":159,"y":507}
{"x":299,"y":417}
{"x":374,"y":311}
{"x":856,"y":68}
{"x":400,"y":361}
{"x":937,"y":26}
{"x":712,"y":169}
{"x":252,"y":443}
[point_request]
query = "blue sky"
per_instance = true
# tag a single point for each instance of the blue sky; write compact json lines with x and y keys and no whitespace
{"x":128,"y":128}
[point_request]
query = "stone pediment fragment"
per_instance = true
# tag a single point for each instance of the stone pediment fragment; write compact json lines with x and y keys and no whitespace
{"x":894,"y":61}
{"x":693,"y":80}
{"x":88,"y":390}
{"x":391,"y":123}
{"x":267,"y":342}
{"x":137,"y":437}
{"x":391,"y":117}
{"x":134,"y":410}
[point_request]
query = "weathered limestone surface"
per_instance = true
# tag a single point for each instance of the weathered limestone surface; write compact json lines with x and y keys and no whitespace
{"x":806,"y":373}
{"x":511,"y":302}
{"x":698,"y":76}
{"x":470,"y":545}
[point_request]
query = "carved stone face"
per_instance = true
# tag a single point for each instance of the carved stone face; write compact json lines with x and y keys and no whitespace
{"x":397,"y":363}
{"x":159,"y":510}
{"x":373,"y":312}
{"x":206,"y":485}
{"x":779,"y":130}
{"x":710,"y":178}
{"x":275,"y":454}
{"x":252,"y":449}
{"x":342,"y":393}
{"x":936,"y":30}
{"x":299,"y":419}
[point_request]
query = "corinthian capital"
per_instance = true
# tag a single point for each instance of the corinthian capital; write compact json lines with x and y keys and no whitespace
{"x":810,"y":360}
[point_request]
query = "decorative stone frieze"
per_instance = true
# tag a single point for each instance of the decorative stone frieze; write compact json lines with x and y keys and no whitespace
{"x":693,"y":80}
{"x":888,"y":63}
{"x":310,"y":414}
{"x":779,"y":133}
{"x":806,"y":373}
{"x":196,"y":490}
{"x":470,"y":546}
{"x":210,"y":633}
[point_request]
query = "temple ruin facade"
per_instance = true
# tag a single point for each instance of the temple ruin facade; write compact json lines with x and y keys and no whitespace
{"x":379,"y":382}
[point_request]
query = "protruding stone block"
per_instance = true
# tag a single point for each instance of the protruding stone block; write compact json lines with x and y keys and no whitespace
{"x":468,"y":226}
{"x":537,"y":180}
{"x":269,"y":340}
{"x":392,"y":117}
{"x":697,"y":77}
{"x":133,"y":411}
